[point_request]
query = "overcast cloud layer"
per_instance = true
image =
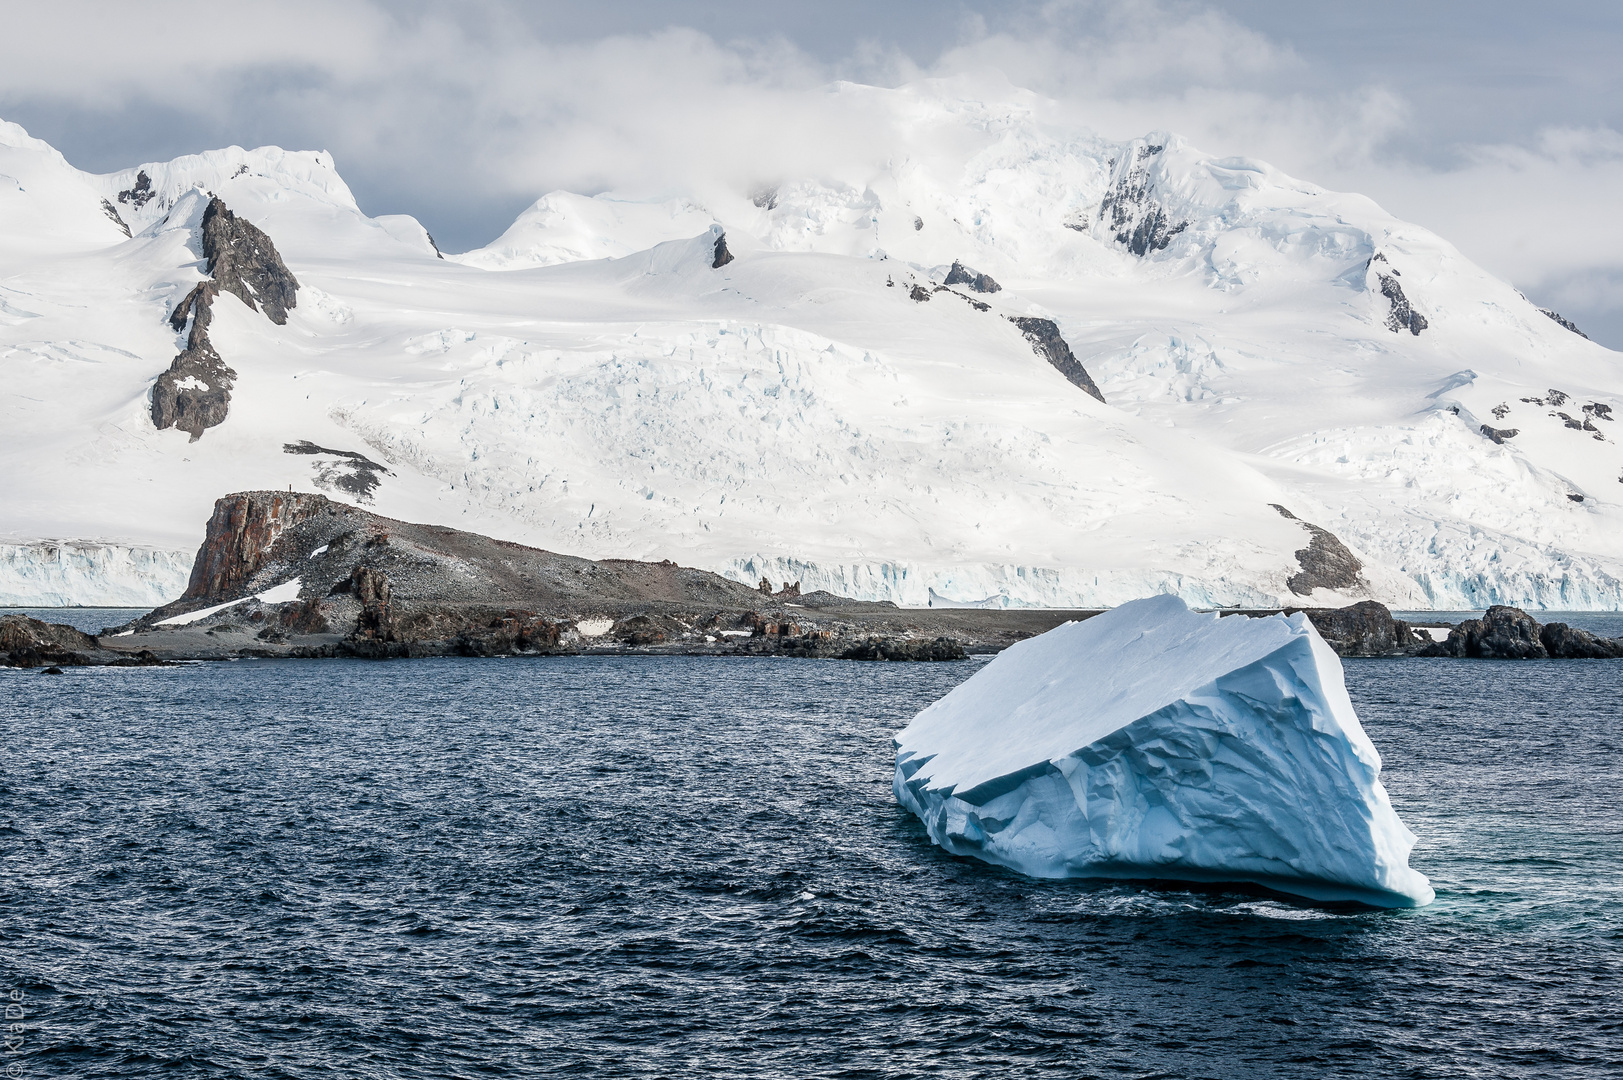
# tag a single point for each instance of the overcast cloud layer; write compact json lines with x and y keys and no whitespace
{"x":1496,"y":125}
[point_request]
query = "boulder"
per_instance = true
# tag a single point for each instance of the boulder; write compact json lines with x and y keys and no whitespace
{"x":1503,"y":633}
{"x":1564,"y":642}
{"x":1363,"y":629}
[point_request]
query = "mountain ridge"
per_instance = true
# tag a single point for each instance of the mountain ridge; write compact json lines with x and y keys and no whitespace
{"x":799,"y":412}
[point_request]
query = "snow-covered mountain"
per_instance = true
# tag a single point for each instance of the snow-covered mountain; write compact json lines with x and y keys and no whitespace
{"x":1303,"y":398}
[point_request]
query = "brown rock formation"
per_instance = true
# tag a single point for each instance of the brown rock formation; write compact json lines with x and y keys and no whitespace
{"x":241,"y":534}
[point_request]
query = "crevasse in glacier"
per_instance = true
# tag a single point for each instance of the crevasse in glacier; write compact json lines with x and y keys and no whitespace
{"x":1153,"y":742}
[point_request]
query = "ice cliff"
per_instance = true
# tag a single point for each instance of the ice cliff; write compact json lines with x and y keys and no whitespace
{"x":1153,"y":742}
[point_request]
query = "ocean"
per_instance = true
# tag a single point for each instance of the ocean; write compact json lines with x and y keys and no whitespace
{"x":687,"y":866}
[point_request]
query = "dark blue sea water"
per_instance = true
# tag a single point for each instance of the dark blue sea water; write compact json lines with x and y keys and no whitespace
{"x":685,"y":867}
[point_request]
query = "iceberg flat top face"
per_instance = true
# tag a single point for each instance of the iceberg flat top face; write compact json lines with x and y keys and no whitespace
{"x":1053,"y":694}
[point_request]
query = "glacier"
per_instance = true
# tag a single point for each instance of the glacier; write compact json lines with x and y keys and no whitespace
{"x":1152,"y":742}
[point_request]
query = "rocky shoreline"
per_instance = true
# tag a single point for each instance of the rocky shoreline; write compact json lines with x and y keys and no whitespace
{"x":286,"y":575}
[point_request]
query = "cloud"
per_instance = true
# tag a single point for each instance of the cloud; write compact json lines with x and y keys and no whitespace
{"x":464,"y":113}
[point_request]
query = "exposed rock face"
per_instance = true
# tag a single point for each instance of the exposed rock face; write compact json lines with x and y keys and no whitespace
{"x":1503,"y":633}
{"x":1507,"y":633}
{"x":195,"y":393}
{"x":962,"y":275}
{"x":941,"y":648}
{"x":1046,"y":340}
{"x":1564,"y":642}
{"x":242,"y":532}
{"x":1130,"y":211}
{"x":140,"y":193}
{"x":919,"y":293}
{"x":372,"y":589}
{"x":352,"y":473}
{"x":1499,"y":435}
{"x":1402,"y":316}
{"x":1363,"y":629}
{"x":112,"y":212}
{"x":1564,"y":322}
{"x":30,"y":643}
{"x":243,"y":261}
{"x":721,"y":255}
{"x":1326,"y":563}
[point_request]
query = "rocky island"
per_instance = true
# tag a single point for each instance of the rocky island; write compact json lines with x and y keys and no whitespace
{"x":297,"y":575}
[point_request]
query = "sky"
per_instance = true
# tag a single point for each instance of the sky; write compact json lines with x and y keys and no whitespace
{"x":1498,"y":125}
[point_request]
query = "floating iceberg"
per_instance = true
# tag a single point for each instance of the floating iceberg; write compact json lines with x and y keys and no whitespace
{"x":1153,"y":742}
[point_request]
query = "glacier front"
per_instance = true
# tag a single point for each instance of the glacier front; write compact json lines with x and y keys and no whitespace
{"x":1153,"y":742}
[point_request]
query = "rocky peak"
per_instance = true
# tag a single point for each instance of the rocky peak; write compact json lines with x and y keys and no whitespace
{"x":1046,"y":341}
{"x":1130,"y":210}
{"x":195,"y":393}
{"x":963,"y":275}
{"x":139,"y":193}
{"x":243,"y":261}
{"x":1564,"y":321}
{"x":240,"y":535}
{"x":720,"y":256}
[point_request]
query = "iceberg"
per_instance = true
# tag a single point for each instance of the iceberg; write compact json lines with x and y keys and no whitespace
{"x":1153,"y":742}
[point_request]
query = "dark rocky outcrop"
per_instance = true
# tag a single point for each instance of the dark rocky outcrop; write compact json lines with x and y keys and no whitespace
{"x":243,"y":261}
{"x":1326,"y":563}
{"x":1131,"y":212}
{"x":1499,"y":435}
{"x":962,"y":275}
{"x":720,"y":255}
{"x":31,"y":643}
{"x":1363,"y":629}
{"x":941,"y":648}
{"x":352,"y":472}
{"x":919,"y":293}
{"x":1045,"y":339}
{"x":1564,"y":642}
{"x":1402,"y":316}
{"x":1564,"y":321}
{"x":112,"y":213}
{"x":1503,"y":633}
{"x":195,"y":393}
{"x":139,"y":193}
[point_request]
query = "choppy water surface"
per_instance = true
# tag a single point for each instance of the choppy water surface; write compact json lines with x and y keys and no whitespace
{"x":693,"y":867}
